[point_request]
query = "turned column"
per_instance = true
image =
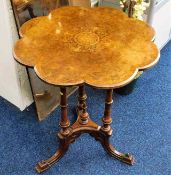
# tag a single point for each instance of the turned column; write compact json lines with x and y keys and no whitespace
{"x":82,"y":106}
{"x":81,"y":98}
{"x":64,"y":123}
{"x":107,"y":119}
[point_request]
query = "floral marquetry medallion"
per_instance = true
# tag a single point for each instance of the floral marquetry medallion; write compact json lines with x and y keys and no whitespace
{"x":101,"y":47}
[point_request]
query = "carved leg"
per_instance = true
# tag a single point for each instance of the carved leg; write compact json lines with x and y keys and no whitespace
{"x":46,"y":164}
{"x":84,"y":124}
{"x":64,"y":143}
{"x":81,"y":99}
{"x":107,"y":119}
{"x":106,"y":131}
{"x":64,"y":115}
{"x":82,"y":106}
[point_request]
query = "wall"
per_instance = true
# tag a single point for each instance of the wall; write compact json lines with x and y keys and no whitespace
{"x":14,"y":84}
{"x":161,"y":21}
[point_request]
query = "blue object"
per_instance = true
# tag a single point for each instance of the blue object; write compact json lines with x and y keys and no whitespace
{"x":141,"y":123}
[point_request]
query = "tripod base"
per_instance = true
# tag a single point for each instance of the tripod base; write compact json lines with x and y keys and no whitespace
{"x":75,"y":131}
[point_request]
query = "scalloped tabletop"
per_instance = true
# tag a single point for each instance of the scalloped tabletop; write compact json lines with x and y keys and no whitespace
{"x":101,"y":47}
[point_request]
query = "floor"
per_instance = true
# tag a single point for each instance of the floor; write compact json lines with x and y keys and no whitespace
{"x":141,"y":123}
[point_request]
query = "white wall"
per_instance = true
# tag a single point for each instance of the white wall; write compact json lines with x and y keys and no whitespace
{"x":158,"y":16}
{"x":14,"y":84}
{"x":161,"y":21}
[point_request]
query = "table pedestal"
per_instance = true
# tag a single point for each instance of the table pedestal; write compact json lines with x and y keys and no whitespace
{"x":84,"y":124}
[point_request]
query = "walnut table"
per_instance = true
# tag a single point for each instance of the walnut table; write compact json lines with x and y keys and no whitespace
{"x":76,"y":46}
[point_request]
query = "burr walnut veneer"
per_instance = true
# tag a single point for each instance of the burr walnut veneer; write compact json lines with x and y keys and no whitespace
{"x":100,"y":47}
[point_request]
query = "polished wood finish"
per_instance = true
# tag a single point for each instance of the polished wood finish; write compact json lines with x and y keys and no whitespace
{"x":84,"y":124}
{"x":100,"y":47}
{"x":93,"y":44}
{"x":64,"y":116}
{"x":107,"y":119}
{"x":81,"y":99}
{"x":82,"y":107}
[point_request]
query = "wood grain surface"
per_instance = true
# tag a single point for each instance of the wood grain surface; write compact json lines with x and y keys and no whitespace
{"x":100,"y":46}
